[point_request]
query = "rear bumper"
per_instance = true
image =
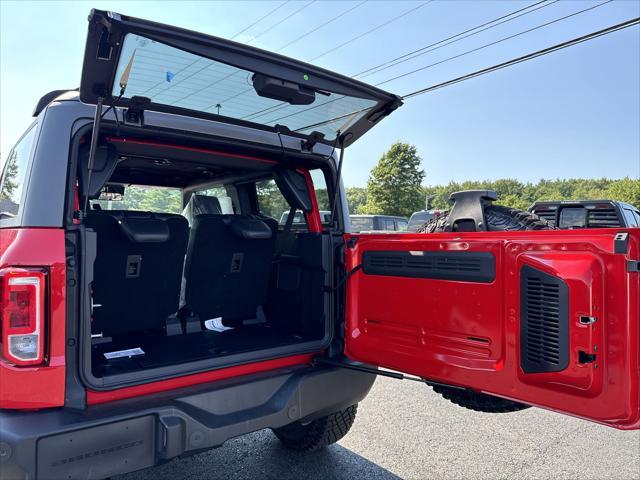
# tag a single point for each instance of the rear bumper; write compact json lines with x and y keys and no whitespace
{"x":128,"y":435}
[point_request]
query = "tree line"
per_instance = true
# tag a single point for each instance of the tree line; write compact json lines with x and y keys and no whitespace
{"x":395,"y":187}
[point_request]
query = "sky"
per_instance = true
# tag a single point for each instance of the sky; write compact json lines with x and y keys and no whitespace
{"x":573,"y":113}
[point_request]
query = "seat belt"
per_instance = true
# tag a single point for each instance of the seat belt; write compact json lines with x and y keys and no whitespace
{"x":285,"y":233}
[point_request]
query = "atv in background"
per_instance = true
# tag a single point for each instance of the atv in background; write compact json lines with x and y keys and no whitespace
{"x":473,"y":210}
{"x":587,"y":213}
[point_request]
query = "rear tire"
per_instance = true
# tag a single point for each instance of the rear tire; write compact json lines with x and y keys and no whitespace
{"x":479,"y":402}
{"x":319,"y":433}
{"x":498,"y":218}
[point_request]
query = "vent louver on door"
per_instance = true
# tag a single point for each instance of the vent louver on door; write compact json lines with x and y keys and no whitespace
{"x":460,"y":266}
{"x":544,"y":322}
{"x":603,"y":218}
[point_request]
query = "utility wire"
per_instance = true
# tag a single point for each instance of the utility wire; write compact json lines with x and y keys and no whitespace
{"x":324,"y":24}
{"x":200,"y":58}
{"x":377,"y":27}
{"x":235,"y":72}
{"x":265,"y":112}
{"x":268,"y":14}
{"x":280,"y":22}
{"x":529,"y":56}
{"x":279,"y":106}
{"x":490,"y":44}
{"x":499,"y":66}
{"x":455,"y":38}
{"x":209,"y":64}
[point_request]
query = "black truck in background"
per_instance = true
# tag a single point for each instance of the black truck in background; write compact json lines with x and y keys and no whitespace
{"x":587,"y":213}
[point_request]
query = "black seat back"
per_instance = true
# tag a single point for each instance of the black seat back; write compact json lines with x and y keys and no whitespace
{"x":138,"y":270}
{"x":200,"y":205}
{"x":228,"y":266}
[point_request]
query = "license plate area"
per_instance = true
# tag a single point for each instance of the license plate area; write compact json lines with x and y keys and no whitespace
{"x":99,"y":452}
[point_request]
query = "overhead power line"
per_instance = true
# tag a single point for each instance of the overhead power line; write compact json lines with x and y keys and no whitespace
{"x":162,"y":82}
{"x":371,"y":30}
{"x":455,"y":38}
{"x":528,"y":56}
{"x":276,"y":108}
{"x":279,"y":106}
{"x":208,"y":65}
{"x":495,"y":42}
{"x":280,"y":22}
{"x":268,"y":14}
{"x":322,"y":25}
{"x":499,"y":66}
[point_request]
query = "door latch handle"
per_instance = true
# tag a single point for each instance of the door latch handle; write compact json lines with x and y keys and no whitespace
{"x":584,"y":357}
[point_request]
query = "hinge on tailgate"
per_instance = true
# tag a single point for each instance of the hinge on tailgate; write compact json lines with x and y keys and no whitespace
{"x":135,"y":113}
{"x":633,"y":266}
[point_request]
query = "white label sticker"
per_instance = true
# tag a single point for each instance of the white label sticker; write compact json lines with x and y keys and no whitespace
{"x":216,"y":325}
{"x":124,"y":353}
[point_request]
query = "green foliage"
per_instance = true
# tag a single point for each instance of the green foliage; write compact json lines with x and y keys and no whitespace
{"x":356,"y":198}
{"x":394,"y":186}
{"x":322,"y":197}
{"x":161,"y":200}
{"x":270,"y":200}
{"x":9,"y":183}
{"x":167,"y":200}
{"x":626,"y":190}
{"x":521,"y":195}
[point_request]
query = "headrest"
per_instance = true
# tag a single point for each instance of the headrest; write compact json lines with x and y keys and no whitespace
{"x":249,"y":228}
{"x":205,"y":204}
{"x":200,"y":205}
{"x":144,"y":230}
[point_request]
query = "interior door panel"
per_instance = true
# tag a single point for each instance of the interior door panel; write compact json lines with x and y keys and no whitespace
{"x":547,"y":318}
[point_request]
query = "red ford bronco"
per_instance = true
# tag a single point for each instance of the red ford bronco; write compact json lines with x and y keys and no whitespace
{"x":152,"y":306}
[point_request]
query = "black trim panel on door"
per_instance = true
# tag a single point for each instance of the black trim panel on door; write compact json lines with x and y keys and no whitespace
{"x":456,"y":266}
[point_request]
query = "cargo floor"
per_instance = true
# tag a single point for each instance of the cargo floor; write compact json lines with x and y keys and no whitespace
{"x":161,"y":350}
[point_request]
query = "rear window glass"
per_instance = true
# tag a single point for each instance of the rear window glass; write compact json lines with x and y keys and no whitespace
{"x":322,"y":195}
{"x":419,"y":218}
{"x":403,"y":225}
{"x":361,"y":224}
{"x":631,"y":220}
{"x":573,"y":218}
{"x":14,"y":175}
{"x":388,"y":224}
{"x":142,"y":198}
{"x":173,"y":77}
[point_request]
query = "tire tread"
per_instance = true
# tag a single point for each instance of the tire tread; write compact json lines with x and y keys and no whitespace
{"x":319,"y":433}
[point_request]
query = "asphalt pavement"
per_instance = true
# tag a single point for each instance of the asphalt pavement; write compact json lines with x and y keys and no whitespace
{"x":405,"y":430}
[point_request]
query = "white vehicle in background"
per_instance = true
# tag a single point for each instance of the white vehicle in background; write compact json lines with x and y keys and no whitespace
{"x":298,"y":218}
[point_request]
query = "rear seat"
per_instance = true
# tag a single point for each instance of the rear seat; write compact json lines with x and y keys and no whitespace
{"x":138,"y":270}
{"x":228,"y":266}
{"x":201,"y":204}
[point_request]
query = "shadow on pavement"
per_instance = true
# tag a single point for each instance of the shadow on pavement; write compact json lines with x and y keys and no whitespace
{"x":260,"y":455}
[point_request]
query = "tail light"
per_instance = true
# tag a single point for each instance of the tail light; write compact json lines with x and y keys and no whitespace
{"x":22,"y":315}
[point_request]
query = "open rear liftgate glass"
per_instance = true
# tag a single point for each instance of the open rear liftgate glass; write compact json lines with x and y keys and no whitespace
{"x":548,"y":318}
{"x":143,"y":65}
